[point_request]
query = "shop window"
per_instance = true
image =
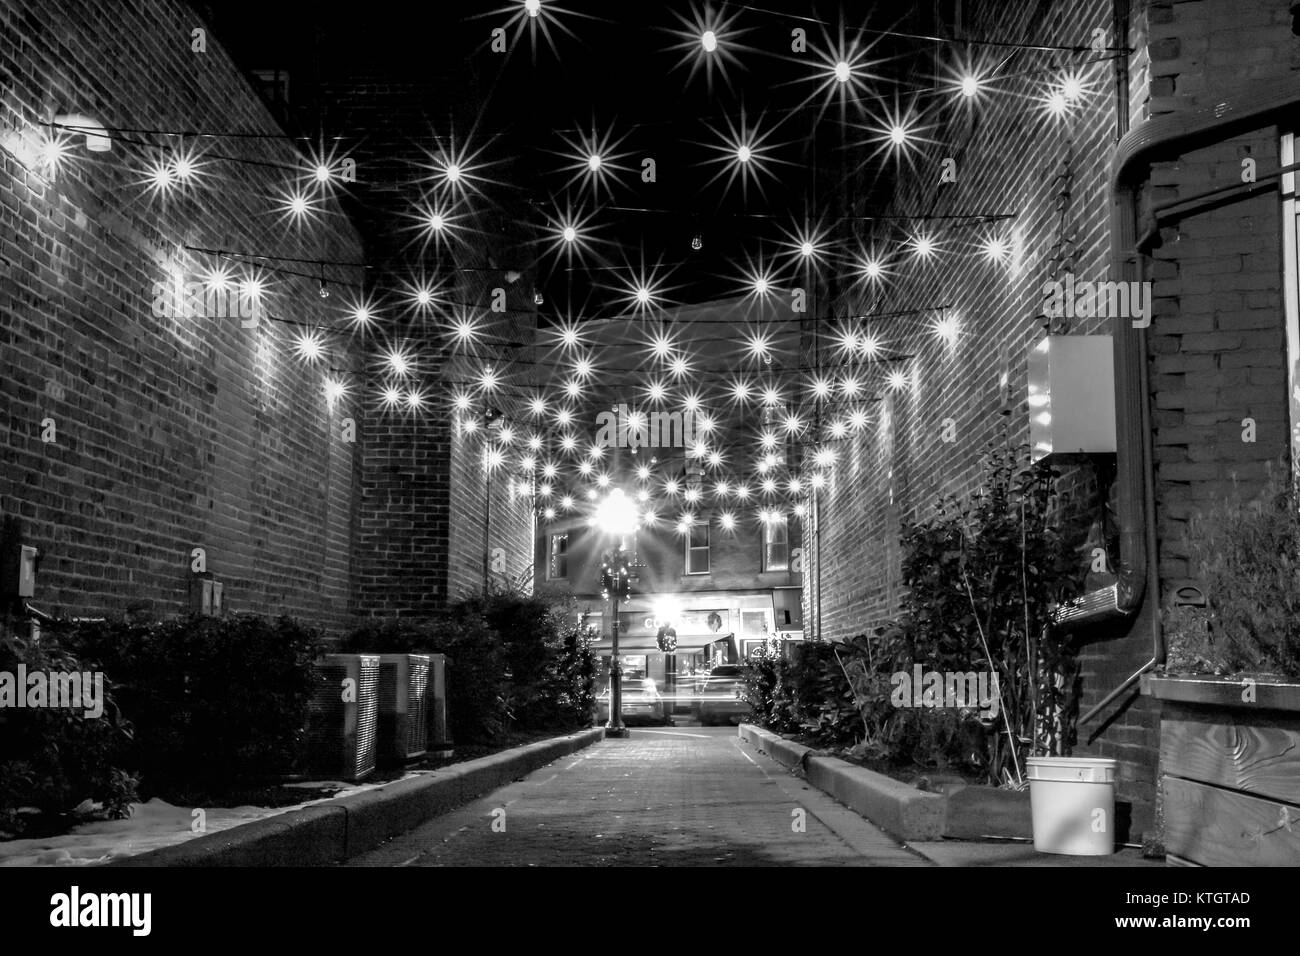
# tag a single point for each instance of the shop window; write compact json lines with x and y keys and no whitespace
{"x":776,"y":544}
{"x":697,"y":548}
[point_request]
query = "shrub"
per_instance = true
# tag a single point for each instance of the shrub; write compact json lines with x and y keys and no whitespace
{"x":981,"y":579}
{"x":477,"y":686}
{"x":214,"y":701}
{"x":1247,"y":554}
{"x":54,"y":759}
{"x":513,"y":663}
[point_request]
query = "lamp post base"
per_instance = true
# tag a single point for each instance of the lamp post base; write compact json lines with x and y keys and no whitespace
{"x":619,"y":731}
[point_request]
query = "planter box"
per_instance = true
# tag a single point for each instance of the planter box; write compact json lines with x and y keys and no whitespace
{"x":1229,"y":770}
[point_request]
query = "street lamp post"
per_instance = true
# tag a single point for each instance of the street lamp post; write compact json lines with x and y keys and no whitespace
{"x":614,"y":727}
{"x":617,"y":516}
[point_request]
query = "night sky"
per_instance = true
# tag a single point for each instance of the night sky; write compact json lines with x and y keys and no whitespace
{"x":635,"y":75}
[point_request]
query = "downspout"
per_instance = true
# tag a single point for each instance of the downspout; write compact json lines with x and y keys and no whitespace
{"x":1243,"y":108}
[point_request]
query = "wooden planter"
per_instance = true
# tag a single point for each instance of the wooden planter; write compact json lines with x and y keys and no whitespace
{"x":1229,"y":770}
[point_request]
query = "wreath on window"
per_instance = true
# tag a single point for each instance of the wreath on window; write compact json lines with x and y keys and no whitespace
{"x":667,"y":639}
{"x":714,"y":622}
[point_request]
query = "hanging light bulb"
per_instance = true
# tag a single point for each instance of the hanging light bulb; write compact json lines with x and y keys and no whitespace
{"x":709,"y":40}
{"x":842,"y":72}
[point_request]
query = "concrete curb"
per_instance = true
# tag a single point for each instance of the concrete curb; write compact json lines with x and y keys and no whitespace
{"x":350,"y":825}
{"x":905,"y":813}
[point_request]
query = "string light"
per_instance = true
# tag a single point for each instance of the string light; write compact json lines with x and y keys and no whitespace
{"x":309,"y":346}
{"x":334,"y":391}
{"x":398,"y":362}
{"x":744,"y":156}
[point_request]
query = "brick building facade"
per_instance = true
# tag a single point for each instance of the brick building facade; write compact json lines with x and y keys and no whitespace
{"x":1163,"y":122}
{"x":130,"y":439}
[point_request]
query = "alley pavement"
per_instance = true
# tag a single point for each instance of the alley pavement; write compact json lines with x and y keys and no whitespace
{"x":671,"y":796}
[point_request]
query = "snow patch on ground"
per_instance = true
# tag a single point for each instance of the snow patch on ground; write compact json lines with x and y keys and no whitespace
{"x":153,"y":825}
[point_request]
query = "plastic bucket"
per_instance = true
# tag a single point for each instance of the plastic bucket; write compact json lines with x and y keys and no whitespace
{"x":1072,"y":800}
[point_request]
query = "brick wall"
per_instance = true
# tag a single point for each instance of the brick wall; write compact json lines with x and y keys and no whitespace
{"x":1216,"y":344}
{"x":1012,"y":157}
{"x":421,"y":527}
{"x":172,"y":433}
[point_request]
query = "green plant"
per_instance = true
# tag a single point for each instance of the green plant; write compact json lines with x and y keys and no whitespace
{"x":513,"y":662}
{"x":477,"y":684}
{"x":54,"y":759}
{"x":981,"y":579}
{"x":214,"y":701}
{"x":1246,"y":551}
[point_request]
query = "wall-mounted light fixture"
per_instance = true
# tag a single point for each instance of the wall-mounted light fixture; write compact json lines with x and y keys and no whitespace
{"x":97,"y":138}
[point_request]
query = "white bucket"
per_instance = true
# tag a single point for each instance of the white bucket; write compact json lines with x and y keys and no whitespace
{"x":1073,"y":804}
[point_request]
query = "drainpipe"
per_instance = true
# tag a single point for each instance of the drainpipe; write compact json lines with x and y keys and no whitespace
{"x":1243,"y":108}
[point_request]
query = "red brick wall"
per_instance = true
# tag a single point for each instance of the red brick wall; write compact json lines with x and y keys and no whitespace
{"x":1011,"y":156}
{"x":1216,"y":343}
{"x":171,"y":433}
{"x":420,"y":540}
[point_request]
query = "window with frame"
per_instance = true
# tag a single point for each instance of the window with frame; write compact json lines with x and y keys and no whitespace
{"x":697,"y":548}
{"x":559,"y":567}
{"x":776,"y":544}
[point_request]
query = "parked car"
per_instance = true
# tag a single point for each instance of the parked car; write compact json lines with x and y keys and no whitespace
{"x":642,"y":702}
{"x":719,"y":697}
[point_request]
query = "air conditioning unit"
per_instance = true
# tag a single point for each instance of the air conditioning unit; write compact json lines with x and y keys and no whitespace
{"x":403,"y":706}
{"x":343,"y":726}
{"x":439,"y":742}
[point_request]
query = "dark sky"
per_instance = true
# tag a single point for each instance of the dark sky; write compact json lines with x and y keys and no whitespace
{"x":623,"y":69}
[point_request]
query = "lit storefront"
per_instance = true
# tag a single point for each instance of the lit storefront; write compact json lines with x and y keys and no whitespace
{"x":712,"y":628}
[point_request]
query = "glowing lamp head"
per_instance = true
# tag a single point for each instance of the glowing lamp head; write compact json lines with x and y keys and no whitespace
{"x":897,"y":135}
{"x":533,"y":7}
{"x":744,"y":153}
{"x":969,"y":86}
{"x":452,"y":173}
{"x":842,"y":72}
{"x":616,"y":514}
{"x":594,"y":162}
{"x":709,"y":40}
{"x":806,"y":249}
{"x":569,"y":234}
{"x":323,"y":173}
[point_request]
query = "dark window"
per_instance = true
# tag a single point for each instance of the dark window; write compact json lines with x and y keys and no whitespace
{"x":559,"y":556}
{"x":697,"y":548}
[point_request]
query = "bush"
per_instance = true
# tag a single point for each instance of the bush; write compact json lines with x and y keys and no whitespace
{"x":52,"y":760}
{"x":214,"y":701}
{"x":981,"y":578}
{"x":477,"y":687}
{"x":1247,"y":554}
{"x":513,"y":664}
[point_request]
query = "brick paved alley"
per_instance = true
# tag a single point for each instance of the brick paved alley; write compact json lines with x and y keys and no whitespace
{"x":685,"y":796}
